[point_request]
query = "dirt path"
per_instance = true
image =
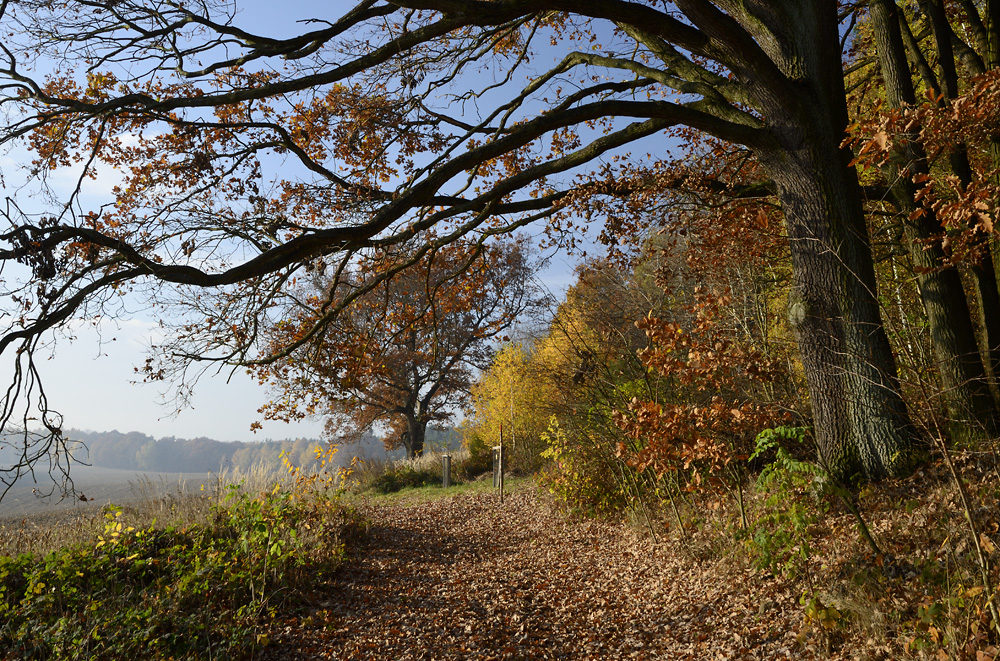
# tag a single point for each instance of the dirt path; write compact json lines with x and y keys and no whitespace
{"x":466,"y":578}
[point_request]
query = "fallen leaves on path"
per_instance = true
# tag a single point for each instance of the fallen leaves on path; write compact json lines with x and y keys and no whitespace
{"x":469,"y":578}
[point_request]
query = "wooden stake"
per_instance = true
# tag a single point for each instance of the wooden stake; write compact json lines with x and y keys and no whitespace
{"x":501,"y":463}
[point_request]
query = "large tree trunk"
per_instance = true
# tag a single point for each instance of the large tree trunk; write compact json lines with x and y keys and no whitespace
{"x":416,"y":432}
{"x":788,"y":66}
{"x":986,"y":295}
{"x":991,"y":20}
{"x":862,"y":425}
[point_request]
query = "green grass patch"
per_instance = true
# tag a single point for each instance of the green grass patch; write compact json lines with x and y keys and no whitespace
{"x":418,"y":495}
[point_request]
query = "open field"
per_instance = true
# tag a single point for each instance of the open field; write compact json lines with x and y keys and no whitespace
{"x":100,"y":485}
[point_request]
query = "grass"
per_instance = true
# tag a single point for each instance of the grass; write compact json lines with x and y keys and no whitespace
{"x":145,"y":502}
{"x":388,"y":476}
{"x":424,"y":494}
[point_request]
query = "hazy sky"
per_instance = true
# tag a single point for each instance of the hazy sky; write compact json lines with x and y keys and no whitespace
{"x":92,"y":382}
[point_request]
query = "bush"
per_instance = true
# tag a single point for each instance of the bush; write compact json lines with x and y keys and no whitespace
{"x":476,"y":461}
{"x":579,"y":472}
{"x":405,"y":477}
{"x":780,"y":540}
{"x":426,"y":470}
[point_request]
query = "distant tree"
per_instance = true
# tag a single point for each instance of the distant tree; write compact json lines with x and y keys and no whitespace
{"x":117,"y":450}
{"x":245,"y":456}
{"x":204,"y":454}
{"x":511,"y":396}
{"x":151,"y":457}
{"x":404,"y":354}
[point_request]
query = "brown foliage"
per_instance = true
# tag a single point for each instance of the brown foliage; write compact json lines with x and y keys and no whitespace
{"x":966,"y":209}
{"x":404,"y":352}
{"x":715,"y":409}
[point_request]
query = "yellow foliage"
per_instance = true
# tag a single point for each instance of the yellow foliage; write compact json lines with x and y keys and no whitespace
{"x":512,"y":394}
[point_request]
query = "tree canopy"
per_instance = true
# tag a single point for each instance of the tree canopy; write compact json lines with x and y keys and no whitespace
{"x":404,"y":354}
{"x":247,"y":160}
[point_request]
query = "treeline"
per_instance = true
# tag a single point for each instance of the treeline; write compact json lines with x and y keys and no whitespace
{"x":137,"y":451}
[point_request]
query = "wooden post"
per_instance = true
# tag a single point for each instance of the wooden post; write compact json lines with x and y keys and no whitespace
{"x":501,"y":473}
{"x":496,"y":466}
{"x":501,"y":463}
{"x":446,"y":469}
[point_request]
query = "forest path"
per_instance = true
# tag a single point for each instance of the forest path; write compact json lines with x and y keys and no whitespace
{"x":468,"y":578}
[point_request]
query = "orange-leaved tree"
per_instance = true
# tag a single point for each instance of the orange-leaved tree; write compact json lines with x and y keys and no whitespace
{"x":404,"y":354}
{"x":719,"y":353}
{"x":717,"y":401}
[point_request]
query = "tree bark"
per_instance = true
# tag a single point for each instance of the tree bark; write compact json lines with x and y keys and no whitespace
{"x":862,"y":425}
{"x":964,"y":388}
{"x":991,"y":21}
{"x":416,"y":432}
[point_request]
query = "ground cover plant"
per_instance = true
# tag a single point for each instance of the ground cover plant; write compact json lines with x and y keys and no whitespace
{"x":890,"y":572}
{"x":195,"y":589}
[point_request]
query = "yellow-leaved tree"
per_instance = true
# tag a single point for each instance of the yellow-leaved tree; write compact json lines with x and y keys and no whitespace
{"x":512,"y":396}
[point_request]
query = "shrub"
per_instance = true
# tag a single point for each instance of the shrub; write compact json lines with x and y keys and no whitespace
{"x":404,"y":477}
{"x":392,"y":476}
{"x":474,"y":462}
{"x":579,"y":472}
{"x":779,"y":540}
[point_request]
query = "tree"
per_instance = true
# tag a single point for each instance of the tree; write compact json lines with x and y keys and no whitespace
{"x":364,"y":111}
{"x":509,"y":400}
{"x":584,"y":367}
{"x":964,"y":384}
{"x":403,"y":354}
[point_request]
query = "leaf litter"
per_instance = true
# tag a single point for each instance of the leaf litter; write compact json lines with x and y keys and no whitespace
{"x":468,"y":578}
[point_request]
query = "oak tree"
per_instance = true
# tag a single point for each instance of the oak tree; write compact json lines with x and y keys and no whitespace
{"x":405,"y":353}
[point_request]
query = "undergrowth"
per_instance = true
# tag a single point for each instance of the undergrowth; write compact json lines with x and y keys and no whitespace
{"x":888,"y":573}
{"x":175,"y":591}
{"x":386,"y":477}
{"x":901,"y":569}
